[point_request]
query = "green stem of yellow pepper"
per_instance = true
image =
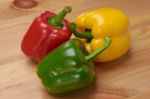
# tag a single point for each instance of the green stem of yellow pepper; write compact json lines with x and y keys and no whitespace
{"x":86,"y":35}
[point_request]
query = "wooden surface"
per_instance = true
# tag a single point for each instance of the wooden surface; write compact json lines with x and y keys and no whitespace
{"x":125,"y":78}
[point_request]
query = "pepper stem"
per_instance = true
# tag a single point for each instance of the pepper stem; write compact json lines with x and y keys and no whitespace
{"x":90,"y":57}
{"x":86,"y":35}
{"x":57,"y":21}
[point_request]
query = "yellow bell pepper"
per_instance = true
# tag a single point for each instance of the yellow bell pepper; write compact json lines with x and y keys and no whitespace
{"x":97,"y":24}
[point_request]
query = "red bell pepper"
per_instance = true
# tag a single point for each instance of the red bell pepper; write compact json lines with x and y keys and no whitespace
{"x":46,"y":33}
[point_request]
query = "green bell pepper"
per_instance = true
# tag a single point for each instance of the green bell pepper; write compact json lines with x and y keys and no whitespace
{"x":69,"y":67}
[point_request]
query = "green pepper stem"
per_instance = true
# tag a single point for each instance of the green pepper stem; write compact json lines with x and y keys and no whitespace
{"x":108,"y":41}
{"x":86,"y":35}
{"x":57,"y":21}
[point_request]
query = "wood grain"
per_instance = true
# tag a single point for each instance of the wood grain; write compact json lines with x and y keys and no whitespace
{"x":125,"y":78}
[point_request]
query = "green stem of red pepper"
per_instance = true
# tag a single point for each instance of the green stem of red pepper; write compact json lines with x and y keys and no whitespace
{"x":85,"y":35}
{"x":57,"y":21}
{"x":108,"y":41}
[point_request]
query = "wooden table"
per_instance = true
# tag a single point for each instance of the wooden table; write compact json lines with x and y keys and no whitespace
{"x":125,"y":78}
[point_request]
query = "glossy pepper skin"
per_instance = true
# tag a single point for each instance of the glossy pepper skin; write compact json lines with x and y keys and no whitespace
{"x":95,"y":25}
{"x":69,"y":67}
{"x":46,"y":33}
